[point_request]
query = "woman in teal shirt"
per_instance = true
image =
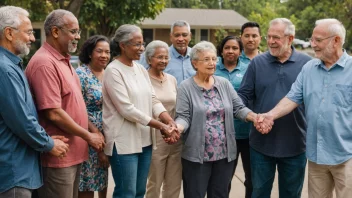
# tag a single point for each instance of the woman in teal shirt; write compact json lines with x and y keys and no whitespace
{"x":230,"y":67}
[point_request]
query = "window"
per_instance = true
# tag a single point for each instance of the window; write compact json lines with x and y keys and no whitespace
{"x":204,"y":35}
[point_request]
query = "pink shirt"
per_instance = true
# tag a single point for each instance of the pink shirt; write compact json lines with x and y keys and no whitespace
{"x":55,"y":84}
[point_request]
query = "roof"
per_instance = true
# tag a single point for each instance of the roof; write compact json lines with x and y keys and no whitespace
{"x":197,"y":18}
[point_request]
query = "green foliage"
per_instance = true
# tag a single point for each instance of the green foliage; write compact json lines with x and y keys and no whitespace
{"x":219,"y":35}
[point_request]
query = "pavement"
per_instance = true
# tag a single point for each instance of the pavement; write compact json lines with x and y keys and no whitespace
{"x":237,"y":189}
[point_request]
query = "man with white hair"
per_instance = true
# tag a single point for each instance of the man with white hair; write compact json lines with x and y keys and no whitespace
{"x":268,"y":79}
{"x":57,"y":93}
{"x":21,"y":137}
{"x":325,"y":87}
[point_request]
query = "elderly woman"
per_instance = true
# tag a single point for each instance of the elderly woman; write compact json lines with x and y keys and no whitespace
{"x":128,"y":107}
{"x":205,"y":108}
{"x":95,"y":55}
{"x":230,"y":67}
{"x":165,"y":169}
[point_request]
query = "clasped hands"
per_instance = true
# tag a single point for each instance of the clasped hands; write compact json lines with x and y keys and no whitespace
{"x":264,"y":123}
{"x":170,"y":133}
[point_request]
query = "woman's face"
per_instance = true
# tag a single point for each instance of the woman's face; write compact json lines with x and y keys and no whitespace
{"x":134,"y":47}
{"x":206,"y":62}
{"x":100,"y":55}
{"x":160,"y":59}
{"x":231,"y":51}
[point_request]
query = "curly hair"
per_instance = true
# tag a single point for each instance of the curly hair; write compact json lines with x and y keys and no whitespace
{"x":88,"y":47}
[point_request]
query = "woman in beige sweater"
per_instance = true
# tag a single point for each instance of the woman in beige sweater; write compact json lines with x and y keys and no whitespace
{"x":165,"y":168}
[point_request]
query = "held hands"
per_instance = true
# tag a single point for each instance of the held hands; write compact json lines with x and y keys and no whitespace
{"x":60,"y":147}
{"x":170,"y":133}
{"x":96,"y":140}
{"x":264,"y":123}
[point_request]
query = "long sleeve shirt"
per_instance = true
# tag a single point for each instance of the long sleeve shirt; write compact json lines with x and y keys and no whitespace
{"x":21,"y":137}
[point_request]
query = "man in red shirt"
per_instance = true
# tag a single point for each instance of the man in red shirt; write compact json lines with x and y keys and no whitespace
{"x":57,"y":93}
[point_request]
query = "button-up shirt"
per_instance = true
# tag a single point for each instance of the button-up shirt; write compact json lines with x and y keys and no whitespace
{"x":266,"y":82}
{"x":243,"y":58}
{"x":21,"y":136}
{"x":179,"y":66}
{"x":327,"y":95}
{"x":235,"y":77}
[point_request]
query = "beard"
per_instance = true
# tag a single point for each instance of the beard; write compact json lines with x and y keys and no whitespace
{"x":72,"y":48}
{"x":22,"y":48}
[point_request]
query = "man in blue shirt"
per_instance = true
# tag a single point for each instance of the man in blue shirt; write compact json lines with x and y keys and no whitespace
{"x":325,"y":87}
{"x":269,"y":78}
{"x":250,"y":37}
{"x":179,"y":64}
{"x":21,"y":137}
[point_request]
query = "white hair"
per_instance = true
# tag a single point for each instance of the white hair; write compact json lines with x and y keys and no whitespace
{"x":152,"y":46}
{"x":335,"y":27}
{"x":180,"y":23}
{"x":290,"y":28}
{"x":123,"y":34}
{"x":10,"y":17}
{"x":200,"y":48}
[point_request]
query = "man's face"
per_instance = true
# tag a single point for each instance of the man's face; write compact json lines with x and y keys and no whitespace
{"x":322,"y":42}
{"x":180,"y":38}
{"x":69,"y":34}
{"x":278,"y":43}
{"x":251,"y":38}
{"x":23,"y":37}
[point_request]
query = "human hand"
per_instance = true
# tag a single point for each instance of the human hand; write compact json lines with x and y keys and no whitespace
{"x":96,"y":140}
{"x":264,"y":123}
{"x":173,"y":138}
{"x":103,"y":160}
{"x":60,"y":148}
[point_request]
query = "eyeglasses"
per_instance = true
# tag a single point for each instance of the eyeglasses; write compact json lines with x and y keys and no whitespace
{"x":209,"y":60}
{"x":29,"y":32}
{"x":74,"y":32}
{"x":161,"y":58}
{"x":137,"y":45}
{"x":319,"y":40}
{"x":275,"y":38}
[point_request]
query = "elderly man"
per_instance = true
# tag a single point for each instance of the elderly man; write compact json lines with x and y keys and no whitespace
{"x":250,"y":37}
{"x":56,"y":89}
{"x":325,"y":87}
{"x":21,"y":136}
{"x":269,"y":78}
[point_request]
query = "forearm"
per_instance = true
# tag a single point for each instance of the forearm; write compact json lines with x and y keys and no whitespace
{"x":64,"y":122}
{"x":251,"y":117}
{"x":156,"y":124}
{"x":165,"y":117}
{"x":92,"y":128}
{"x":284,"y":107}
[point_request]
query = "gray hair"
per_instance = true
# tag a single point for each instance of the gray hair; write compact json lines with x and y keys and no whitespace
{"x":335,"y":27}
{"x":152,"y":46}
{"x":123,"y":34}
{"x":290,"y":28}
{"x":200,"y":48}
{"x":55,"y":18}
{"x":10,"y":17}
{"x":180,"y":23}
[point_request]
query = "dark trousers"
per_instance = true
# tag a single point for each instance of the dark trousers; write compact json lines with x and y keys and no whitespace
{"x":211,"y":178}
{"x":243,"y":149}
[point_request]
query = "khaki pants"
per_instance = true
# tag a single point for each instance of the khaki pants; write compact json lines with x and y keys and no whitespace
{"x":165,"y":170}
{"x":322,"y":179}
{"x":60,"y":182}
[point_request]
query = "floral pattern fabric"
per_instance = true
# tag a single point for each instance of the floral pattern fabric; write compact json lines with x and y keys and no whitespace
{"x":215,"y":137}
{"x":93,"y":177}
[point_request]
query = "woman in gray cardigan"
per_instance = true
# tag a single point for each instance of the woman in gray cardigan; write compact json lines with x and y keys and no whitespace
{"x":205,"y":108}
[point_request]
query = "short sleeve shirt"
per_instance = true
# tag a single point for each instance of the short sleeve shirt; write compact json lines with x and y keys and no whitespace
{"x":55,"y":84}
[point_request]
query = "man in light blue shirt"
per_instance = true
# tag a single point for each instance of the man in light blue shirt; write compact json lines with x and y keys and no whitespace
{"x":180,"y":64}
{"x":325,"y":87}
{"x":21,"y":137}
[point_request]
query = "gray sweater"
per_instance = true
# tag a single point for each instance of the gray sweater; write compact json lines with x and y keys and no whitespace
{"x":191,"y":113}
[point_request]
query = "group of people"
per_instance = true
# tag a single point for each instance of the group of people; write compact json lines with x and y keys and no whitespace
{"x":161,"y":116}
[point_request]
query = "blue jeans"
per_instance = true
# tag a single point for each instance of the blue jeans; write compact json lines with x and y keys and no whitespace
{"x":130,"y":173}
{"x":291,"y":172}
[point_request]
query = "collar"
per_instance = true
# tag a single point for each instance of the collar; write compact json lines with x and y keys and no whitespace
{"x":293,"y":58}
{"x":220,"y":65}
{"x":215,"y":85}
{"x":55,"y":53}
{"x":15,"y":59}
{"x":342,"y":62}
{"x":176,"y":54}
{"x":243,"y":55}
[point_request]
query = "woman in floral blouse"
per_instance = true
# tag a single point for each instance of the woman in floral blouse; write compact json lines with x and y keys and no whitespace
{"x":205,"y":108}
{"x":95,"y":55}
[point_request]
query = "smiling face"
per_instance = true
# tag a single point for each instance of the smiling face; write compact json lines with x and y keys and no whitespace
{"x":133,"y":48}
{"x":68,"y":35}
{"x":323,"y":42}
{"x":277,"y":41}
{"x":206,"y":63}
{"x":22,"y":37}
{"x":100,"y":55}
{"x":231,"y":51}
{"x":160,"y":59}
{"x":180,"y":38}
